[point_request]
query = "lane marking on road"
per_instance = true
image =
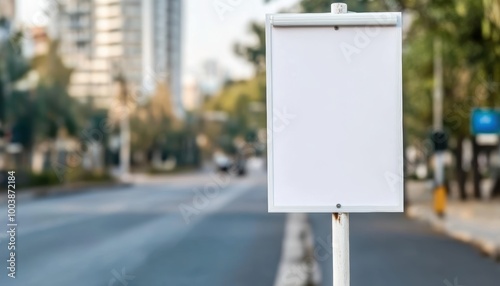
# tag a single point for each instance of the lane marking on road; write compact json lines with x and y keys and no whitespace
{"x":297,"y":264}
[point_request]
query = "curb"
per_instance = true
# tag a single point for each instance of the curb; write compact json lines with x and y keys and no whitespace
{"x":67,"y":189}
{"x":485,"y":246}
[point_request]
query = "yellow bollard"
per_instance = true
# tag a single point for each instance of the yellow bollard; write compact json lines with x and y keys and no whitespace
{"x":440,"y":200}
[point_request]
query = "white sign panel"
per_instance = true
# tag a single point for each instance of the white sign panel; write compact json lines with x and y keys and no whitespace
{"x":334,"y":100}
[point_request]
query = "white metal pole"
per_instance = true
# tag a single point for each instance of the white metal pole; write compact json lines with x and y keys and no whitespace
{"x":340,"y":249}
{"x":339,"y":8}
{"x":340,"y":222}
{"x":438,"y":109}
{"x":438,"y":86}
{"x":125,"y":144}
{"x":124,"y":130}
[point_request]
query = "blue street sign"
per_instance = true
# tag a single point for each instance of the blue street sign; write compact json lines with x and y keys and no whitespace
{"x":485,"y":121}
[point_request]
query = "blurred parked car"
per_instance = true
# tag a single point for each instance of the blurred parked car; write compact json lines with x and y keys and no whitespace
{"x":222,"y":161}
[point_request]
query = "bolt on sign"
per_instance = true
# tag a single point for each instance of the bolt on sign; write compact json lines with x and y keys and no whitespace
{"x":339,"y":77}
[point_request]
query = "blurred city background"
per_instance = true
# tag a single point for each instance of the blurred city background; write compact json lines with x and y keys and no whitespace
{"x":137,"y":131}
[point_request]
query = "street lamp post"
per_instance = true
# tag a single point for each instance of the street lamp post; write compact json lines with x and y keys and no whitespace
{"x":124,"y":121}
{"x":439,"y":136}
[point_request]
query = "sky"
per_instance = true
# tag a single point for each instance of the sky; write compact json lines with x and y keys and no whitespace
{"x":213,"y":27}
{"x":210,"y":30}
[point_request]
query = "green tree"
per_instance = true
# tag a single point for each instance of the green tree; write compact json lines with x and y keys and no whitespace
{"x":152,"y":121}
{"x":255,"y":53}
{"x":243,"y":102}
{"x":54,"y":107}
{"x":13,"y":66}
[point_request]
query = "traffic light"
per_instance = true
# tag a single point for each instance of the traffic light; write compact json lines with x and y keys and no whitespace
{"x":439,"y":140}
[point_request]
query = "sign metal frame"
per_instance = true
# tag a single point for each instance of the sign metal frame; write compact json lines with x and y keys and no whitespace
{"x":389,"y":19}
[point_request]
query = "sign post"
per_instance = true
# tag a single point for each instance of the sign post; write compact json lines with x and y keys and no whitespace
{"x":340,"y":249}
{"x":334,"y":118}
{"x":340,"y":222}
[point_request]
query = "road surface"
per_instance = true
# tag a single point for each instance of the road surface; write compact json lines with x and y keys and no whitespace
{"x":202,"y":229}
{"x":390,"y":249}
{"x":138,"y":236}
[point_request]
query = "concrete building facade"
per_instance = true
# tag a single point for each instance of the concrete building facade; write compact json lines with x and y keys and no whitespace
{"x":139,"y":39}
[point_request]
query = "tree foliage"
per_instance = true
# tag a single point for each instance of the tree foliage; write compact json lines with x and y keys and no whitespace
{"x":54,"y":107}
{"x":154,"y":120}
{"x":254,"y":53}
{"x":38,"y":113}
{"x":470,"y":41}
{"x":243,"y":102}
{"x":13,"y":66}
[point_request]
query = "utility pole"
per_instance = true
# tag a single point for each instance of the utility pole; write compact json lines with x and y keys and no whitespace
{"x":124,"y":127}
{"x":439,"y":137}
{"x":438,"y":86}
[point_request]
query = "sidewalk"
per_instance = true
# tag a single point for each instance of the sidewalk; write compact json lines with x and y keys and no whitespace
{"x":65,"y":189}
{"x":475,"y":222}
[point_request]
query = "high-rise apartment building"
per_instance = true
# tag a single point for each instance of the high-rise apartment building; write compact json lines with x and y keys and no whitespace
{"x":140,"y":39}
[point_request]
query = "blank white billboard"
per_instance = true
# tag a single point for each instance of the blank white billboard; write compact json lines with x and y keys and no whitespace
{"x":334,"y":103}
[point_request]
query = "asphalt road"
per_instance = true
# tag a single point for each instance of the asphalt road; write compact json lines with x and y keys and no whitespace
{"x":139,"y":236}
{"x":205,"y":230}
{"x":390,"y":249}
